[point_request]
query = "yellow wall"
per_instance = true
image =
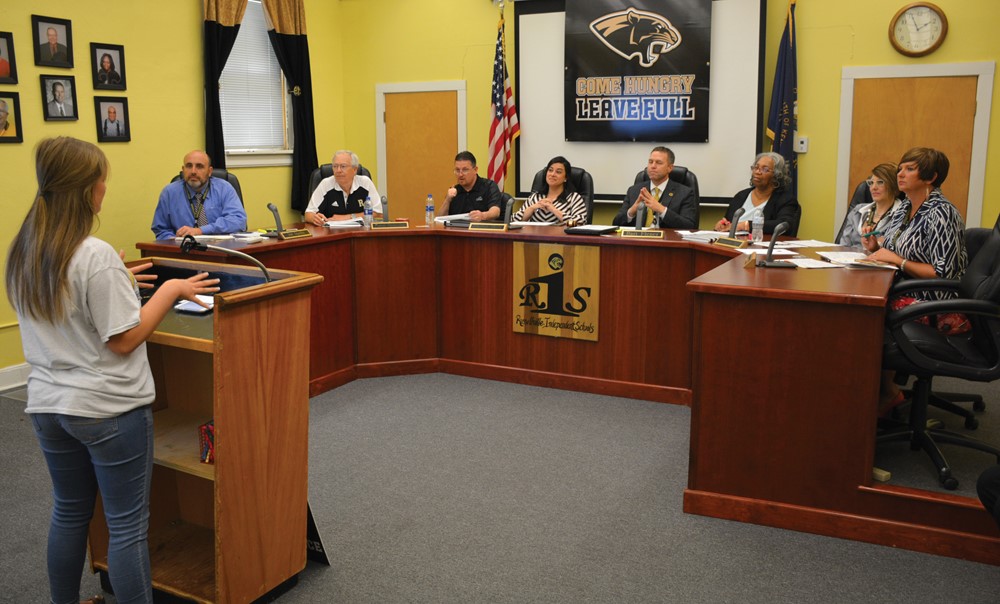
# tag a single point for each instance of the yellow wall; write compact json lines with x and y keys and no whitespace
{"x":356,"y":44}
{"x":834,"y":35}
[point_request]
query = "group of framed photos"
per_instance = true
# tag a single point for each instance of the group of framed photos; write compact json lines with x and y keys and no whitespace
{"x":52,"y":41}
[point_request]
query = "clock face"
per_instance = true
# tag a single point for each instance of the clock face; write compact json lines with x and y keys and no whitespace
{"x":918,"y":30}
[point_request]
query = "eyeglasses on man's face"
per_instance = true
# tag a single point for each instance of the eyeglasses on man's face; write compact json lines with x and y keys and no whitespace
{"x":462,"y":171}
{"x":760,"y":168}
{"x":342,"y":166}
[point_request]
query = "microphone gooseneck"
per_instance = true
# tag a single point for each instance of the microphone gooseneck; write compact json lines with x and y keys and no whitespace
{"x":736,"y":220}
{"x":778,"y":230}
{"x":277,"y":218}
{"x":190,"y":243}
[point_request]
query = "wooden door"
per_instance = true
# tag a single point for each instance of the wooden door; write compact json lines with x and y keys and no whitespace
{"x":421,"y":140}
{"x":892,"y":115}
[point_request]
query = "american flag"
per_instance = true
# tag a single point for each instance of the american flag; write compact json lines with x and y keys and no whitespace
{"x":504,"y":127}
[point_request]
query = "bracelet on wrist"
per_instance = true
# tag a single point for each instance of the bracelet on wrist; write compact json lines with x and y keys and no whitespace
{"x":902,"y":266}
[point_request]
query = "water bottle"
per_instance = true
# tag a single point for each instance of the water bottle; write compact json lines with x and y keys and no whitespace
{"x":429,"y":211}
{"x":368,"y":212}
{"x":757,"y":232}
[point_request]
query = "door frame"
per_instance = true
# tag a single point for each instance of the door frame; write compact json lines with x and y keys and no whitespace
{"x":439,"y":86}
{"x":980,"y":129}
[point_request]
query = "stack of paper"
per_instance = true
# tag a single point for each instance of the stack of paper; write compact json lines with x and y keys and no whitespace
{"x":343,"y":224}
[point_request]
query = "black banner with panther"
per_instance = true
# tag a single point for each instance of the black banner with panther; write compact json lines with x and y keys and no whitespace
{"x":637,"y":71}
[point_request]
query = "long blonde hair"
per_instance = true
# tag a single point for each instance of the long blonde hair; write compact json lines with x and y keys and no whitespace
{"x":60,"y":218}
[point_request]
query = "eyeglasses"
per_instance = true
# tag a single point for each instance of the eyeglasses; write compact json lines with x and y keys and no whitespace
{"x":461,"y":171}
{"x":875,"y":183}
{"x":761,"y":169}
{"x":342,"y":166}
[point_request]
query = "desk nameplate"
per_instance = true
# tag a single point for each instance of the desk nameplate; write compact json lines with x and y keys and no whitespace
{"x":390,"y":224}
{"x":643,"y":234}
{"x":487,"y":226}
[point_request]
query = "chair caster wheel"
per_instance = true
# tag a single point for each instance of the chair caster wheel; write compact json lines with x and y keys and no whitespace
{"x":971,"y":423}
{"x":948,"y":481}
{"x":979,"y":406}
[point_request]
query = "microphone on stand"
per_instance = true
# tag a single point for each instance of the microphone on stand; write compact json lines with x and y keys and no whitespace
{"x":508,"y":210}
{"x":767,"y":261}
{"x":190,"y":243}
{"x":277,"y":221}
{"x":736,"y":220}
{"x":385,"y":209}
{"x":640,"y":217}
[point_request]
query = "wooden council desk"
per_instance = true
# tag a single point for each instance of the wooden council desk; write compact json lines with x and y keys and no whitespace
{"x":780,"y":367}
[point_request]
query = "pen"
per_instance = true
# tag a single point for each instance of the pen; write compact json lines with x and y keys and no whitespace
{"x":872,"y":234}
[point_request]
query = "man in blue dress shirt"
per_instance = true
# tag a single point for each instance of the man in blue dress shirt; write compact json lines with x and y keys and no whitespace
{"x":198,"y":204}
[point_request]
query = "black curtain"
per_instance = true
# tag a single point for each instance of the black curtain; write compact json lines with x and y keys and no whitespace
{"x":219,"y":40}
{"x":292,"y":51}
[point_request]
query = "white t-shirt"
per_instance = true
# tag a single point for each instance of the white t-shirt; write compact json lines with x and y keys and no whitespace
{"x":73,"y":372}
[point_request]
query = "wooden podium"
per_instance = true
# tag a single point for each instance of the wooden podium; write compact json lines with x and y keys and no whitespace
{"x":235,"y":530}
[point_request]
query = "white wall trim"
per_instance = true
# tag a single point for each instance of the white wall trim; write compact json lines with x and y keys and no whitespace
{"x":980,"y":129}
{"x":15,"y":376}
{"x":383,"y":89}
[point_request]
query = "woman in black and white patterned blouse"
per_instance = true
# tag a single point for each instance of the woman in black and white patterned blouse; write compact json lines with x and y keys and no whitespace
{"x":557,"y":201}
{"x":925,"y":234}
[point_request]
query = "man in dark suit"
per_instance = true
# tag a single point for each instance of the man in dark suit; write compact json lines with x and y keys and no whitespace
{"x":52,"y":51}
{"x":672,"y":205}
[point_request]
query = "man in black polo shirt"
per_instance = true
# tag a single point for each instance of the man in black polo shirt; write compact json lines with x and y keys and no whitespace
{"x":477,"y":196}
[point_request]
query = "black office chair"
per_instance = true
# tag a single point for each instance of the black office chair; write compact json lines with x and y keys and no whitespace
{"x":583,"y":182}
{"x":862,"y":194}
{"x":924,"y":352}
{"x":975,"y":239}
{"x":326,"y":171}
{"x":225,"y":175}
{"x":681,"y":175}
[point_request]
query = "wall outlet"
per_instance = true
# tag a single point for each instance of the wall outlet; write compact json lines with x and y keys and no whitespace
{"x":801,"y":144}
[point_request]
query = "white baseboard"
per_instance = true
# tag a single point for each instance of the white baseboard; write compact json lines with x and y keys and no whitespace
{"x":15,"y":376}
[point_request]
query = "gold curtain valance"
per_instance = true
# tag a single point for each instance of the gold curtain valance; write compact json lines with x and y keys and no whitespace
{"x":227,"y":13}
{"x":286,"y":16}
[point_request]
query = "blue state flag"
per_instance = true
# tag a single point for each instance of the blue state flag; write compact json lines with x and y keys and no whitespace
{"x":782,"y":120}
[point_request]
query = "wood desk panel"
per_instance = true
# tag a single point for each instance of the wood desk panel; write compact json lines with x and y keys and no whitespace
{"x":785,"y":384}
{"x":396,"y":297}
{"x":645,"y":319}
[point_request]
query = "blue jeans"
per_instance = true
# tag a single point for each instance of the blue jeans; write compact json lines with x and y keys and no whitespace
{"x":116,"y":455}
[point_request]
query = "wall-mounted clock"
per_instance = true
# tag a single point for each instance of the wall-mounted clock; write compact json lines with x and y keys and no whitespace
{"x":918,"y":29}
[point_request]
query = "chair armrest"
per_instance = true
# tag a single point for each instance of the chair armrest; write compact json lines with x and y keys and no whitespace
{"x":936,"y":307}
{"x":937,"y":284}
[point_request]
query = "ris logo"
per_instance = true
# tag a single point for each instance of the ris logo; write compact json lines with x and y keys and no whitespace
{"x":554,"y":297}
{"x":635,"y":33}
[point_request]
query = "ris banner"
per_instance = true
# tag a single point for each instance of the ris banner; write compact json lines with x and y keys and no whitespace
{"x":556,"y":290}
{"x":637,"y":71}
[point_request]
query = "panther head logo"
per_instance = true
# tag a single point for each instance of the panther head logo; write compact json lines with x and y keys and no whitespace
{"x":636,"y":33}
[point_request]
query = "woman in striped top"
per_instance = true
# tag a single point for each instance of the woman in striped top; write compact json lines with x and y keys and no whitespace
{"x":557,"y":201}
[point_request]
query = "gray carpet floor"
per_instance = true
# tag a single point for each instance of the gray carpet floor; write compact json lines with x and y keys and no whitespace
{"x":439,"y":488}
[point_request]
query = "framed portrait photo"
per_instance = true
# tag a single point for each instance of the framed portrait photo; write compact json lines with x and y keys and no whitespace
{"x":112,"y":119}
{"x":10,"y":118}
{"x":53,"y":41}
{"x":59,"y":98}
{"x":108,"y":64}
{"x":8,"y":66}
